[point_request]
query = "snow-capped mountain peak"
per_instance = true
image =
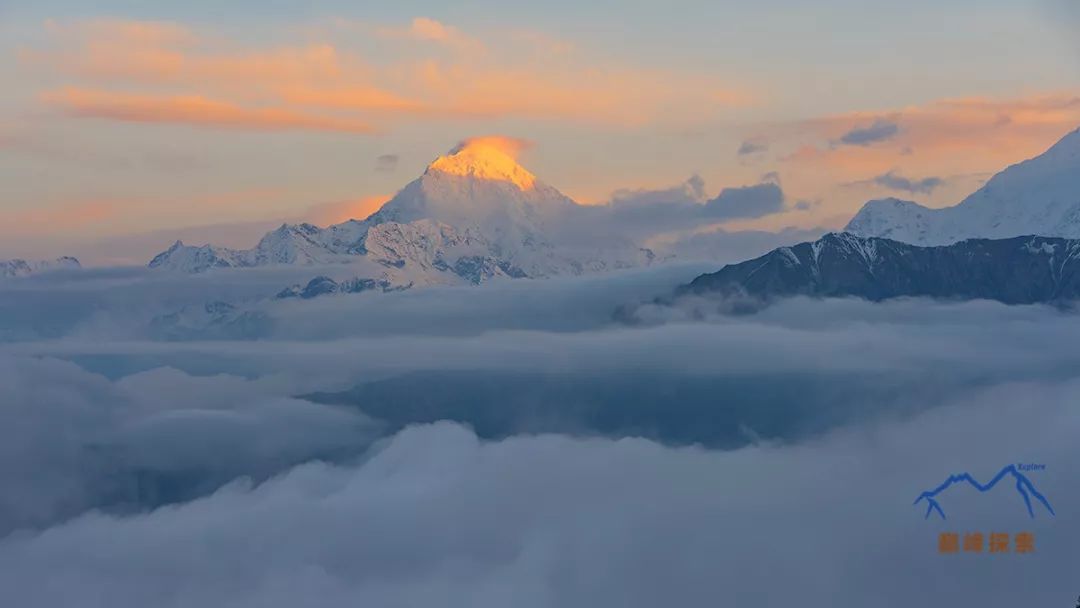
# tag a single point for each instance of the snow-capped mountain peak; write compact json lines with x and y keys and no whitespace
{"x":474,"y":214}
{"x":186,"y":258}
{"x":480,"y":184}
{"x":486,"y":158}
{"x":892,"y":218}
{"x":1040,"y":196}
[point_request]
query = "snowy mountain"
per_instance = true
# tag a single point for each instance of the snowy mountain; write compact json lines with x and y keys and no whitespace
{"x":21,"y":268}
{"x":1020,"y":270}
{"x":322,"y":285}
{"x":1038,"y":196}
{"x":475,"y":214}
{"x":289,"y":244}
{"x":210,"y":321}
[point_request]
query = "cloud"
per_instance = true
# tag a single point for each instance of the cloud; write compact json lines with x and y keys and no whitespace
{"x":318,"y":80}
{"x":957,"y":140}
{"x":386,"y":163}
{"x":656,"y":216}
{"x":352,"y":98}
{"x":719,"y":247}
{"x":753,"y":147}
{"x":89,"y":443}
{"x":692,"y":191}
{"x":193,"y":110}
{"x":895,"y":181}
{"x":510,"y":146}
{"x":489,"y":444}
{"x":543,"y":520}
{"x":881,"y":130}
{"x":747,"y":202}
{"x":967,"y":135}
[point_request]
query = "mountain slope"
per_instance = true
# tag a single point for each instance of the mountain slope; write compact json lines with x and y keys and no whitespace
{"x":1038,"y":196}
{"x":21,"y":268}
{"x":474,"y":214}
{"x":1021,"y":270}
{"x":289,"y":244}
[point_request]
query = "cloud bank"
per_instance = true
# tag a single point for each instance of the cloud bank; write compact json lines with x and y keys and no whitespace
{"x":516,"y":444}
{"x":437,"y":517}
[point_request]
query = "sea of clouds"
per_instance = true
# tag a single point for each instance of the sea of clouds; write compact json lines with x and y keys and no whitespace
{"x":521,"y":443}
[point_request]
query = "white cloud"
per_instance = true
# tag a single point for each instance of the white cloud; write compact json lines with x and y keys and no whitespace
{"x":833,"y":416}
{"x":438,"y":518}
{"x":71,"y":441}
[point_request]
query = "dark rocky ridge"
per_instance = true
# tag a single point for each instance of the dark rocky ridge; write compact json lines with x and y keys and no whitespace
{"x":1021,"y":270}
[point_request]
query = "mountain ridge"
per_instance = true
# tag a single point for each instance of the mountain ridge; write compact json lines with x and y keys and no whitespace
{"x":1020,"y":270}
{"x":1039,"y":196}
{"x":474,"y":214}
{"x":18,"y":267}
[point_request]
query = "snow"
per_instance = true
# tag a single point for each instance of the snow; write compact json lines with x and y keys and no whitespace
{"x":21,"y":268}
{"x":475,"y":214}
{"x":789,"y":256}
{"x":1040,"y":196}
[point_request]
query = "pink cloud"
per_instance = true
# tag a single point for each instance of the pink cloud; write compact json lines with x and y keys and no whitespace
{"x":192,"y":110}
{"x":166,"y":72}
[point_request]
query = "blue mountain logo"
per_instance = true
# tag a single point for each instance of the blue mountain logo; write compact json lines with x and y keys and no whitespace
{"x":1023,"y":486}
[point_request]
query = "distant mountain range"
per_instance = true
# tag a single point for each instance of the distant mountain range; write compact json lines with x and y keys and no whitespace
{"x":211,"y":321}
{"x":1038,"y":196}
{"x":474,"y":215}
{"x":21,"y":268}
{"x":1021,"y":270}
{"x":1016,"y":240}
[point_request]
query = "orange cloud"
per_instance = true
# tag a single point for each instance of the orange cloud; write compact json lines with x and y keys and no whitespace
{"x":352,"y":97}
{"x":962,"y":121}
{"x":303,"y":86}
{"x":957,"y":141}
{"x":510,"y":146}
{"x":328,"y":214}
{"x":951,"y":136}
{"x":192,"y":110}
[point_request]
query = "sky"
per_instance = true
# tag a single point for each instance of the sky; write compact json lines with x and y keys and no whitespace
{"x":153,"y":120}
